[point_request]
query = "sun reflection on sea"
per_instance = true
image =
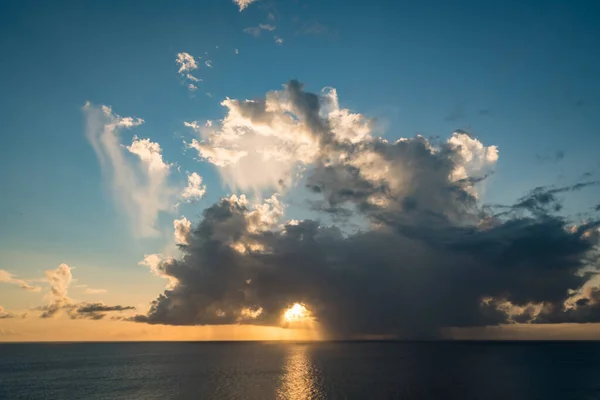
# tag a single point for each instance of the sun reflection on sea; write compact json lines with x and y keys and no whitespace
{"x":299,"y":375}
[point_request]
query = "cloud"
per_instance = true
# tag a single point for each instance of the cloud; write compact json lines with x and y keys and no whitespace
{"x":242,"y":4}
{"x":59,"y":279}
{"x":158,"y":264}
{"x":182,"y":227}
{"x":236,"y":51}
{"x":7,"y":277}
{"x":192,"y":78}
{"x":94,"y":291}
{"x":186,"y":62}
{"x":192,"y":87}
{"x":278,"y":40}
{"x":314,"y":28}
{"x":429,"y":254}
{"x":5,"y":314}
{"x":195,"y":190}
{"x":208,"y":63}
{"x":140,"y":188}
{"x":91,"y":308}
{"x":59,"y":301}
{"x":256,"y":30}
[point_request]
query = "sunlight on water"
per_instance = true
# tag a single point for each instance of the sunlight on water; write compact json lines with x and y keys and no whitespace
{"x":298,"y":380}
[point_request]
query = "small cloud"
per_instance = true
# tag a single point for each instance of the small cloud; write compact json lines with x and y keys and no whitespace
{"x":192,"y":87}
{"x":256,"y":30}
{"x":209,"y":94}
{"x":5,"y":314}
{"x":192,"y":78}
{"x":242,"y":4}
{"x":186,"y":62}
{"x":7,"y":277}
{"x":208,"y":63}
{"x":195,"y":190}
{"x":236,"y":51}
{"x":94,"y":291}
{"x":313,"y":28}
{"x":278,"y":40}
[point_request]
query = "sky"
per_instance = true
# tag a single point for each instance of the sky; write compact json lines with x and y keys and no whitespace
{"x":190,"y":170}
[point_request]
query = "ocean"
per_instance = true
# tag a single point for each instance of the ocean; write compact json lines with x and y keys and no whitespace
{"x":330,"y":370}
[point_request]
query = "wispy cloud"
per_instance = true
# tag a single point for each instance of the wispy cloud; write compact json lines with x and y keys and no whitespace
{"x":94,"y":291}
{"x":7,"y":277}
{"x":278,"y":40}
{"x":208,"y":63}
{"x":256,"y":30}
{"x":141,"y":188}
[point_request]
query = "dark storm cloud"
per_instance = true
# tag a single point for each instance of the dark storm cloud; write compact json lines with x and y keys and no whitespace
{"x":431,"y":258}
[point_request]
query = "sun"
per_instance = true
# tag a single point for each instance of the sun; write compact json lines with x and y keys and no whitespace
{"x":297,"y":313}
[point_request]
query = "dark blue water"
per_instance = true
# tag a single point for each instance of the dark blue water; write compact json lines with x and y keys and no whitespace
{"x":384,"y":370}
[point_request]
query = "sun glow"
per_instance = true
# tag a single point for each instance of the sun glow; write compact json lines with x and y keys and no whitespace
{"x":297,"y":313}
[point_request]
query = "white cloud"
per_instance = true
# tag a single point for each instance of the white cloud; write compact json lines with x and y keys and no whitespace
{"x":278,"y":40}
{"x":219,"y":156}
{"x":157,"y":265}
{"x":149,"y":153}
{"x":209,"y":94}
{"x":242,"y":4}
{"x":195,"y":190}
{"x":141,"y":188}
{"x":256,"y":30}
{"x":265,"y":143}
{"x":258,"y":144}
{"x":7,"y":277}
{"x":186,"y":62}
{"x":236,"y":51}
{"x":192,"y":87}
{"x":182,"y":228}
{"x":208,"y":63}
{"x":192,"y":78}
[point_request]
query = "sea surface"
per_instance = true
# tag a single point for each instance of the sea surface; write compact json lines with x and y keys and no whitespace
{"x":335,"y":370}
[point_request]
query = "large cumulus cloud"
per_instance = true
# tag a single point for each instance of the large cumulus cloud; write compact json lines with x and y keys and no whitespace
{"x":429,"y":256}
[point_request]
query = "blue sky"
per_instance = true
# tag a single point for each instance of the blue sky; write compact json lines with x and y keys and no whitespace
{"x":521,"y":75}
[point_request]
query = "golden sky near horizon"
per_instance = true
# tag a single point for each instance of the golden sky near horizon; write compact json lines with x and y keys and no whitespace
{"x":63,"y":329}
